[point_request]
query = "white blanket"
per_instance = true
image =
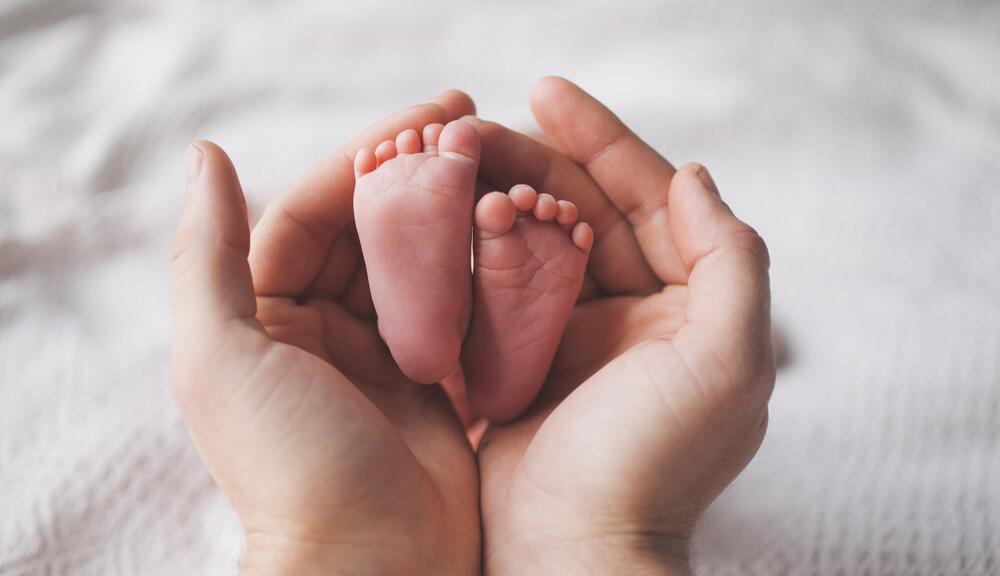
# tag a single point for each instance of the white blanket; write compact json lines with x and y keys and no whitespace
{"x":862,"y":141}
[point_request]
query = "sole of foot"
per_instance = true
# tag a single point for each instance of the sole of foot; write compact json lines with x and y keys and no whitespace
{"x":530,"y":257}
{"x":413,"y":203}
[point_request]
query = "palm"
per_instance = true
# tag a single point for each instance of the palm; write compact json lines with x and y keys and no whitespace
{"x":294,"y":403}
{"x":658,"y":393}
{"x":573,"y":446}
{"x":332,"y":345}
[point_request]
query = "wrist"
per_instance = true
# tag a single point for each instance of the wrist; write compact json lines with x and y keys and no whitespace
{"x":652,"y":555}
{"x":396,"y":551}
{"x":269,"y":555}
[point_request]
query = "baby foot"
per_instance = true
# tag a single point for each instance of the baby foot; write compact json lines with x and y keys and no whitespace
{"x":413,"y":210}
{"x":528,"y":270}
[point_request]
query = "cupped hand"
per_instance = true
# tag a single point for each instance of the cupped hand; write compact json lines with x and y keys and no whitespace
{"x":332,"y":459}
{"x":658,"y":396}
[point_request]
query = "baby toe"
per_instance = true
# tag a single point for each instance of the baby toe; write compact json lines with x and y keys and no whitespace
{"x":524,"y":197}
{"x":583,"y":236}
{"x":460,"y":140}
{"x":545,"y":208}
{"x":495,"y":213}
{"x":386,"y":151}
{"x":364,"y":162}
{"x":408,"y":142}
{"x":566,"y":213}
{"x":432,"y":133}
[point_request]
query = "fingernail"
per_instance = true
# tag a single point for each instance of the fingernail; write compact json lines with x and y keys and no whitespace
{"x":195,"y":158}
{"x":707,"y":180}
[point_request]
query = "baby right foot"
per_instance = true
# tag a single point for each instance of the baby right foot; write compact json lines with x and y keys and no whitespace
{"x":528,"y":270}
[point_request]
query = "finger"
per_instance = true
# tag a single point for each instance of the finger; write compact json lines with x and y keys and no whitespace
{"x":728,"y":309}
{"x":696,"y":404}
{"x":509,"y":158}
{"x":632,"y":175}
{"x":211,"y":278}
{"x":295,"y":233}
{"x":455,"y":104}
{"x":212,"y":292}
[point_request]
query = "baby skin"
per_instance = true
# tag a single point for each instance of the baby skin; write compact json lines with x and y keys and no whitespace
{"x":414,"y":212}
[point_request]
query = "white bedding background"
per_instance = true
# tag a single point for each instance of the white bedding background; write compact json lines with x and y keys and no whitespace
{"x":862,"y":139}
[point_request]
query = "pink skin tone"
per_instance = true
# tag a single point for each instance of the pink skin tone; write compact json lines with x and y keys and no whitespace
{"x":412,"y":203}
{"x":413,"y":207}
{"x":529,"y":268}
{"x":334,"y":461}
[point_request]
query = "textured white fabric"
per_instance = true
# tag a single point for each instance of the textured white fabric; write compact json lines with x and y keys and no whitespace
{"x":862,"y":141}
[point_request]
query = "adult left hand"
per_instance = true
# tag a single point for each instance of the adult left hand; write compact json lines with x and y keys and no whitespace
{"x":334,"y":462}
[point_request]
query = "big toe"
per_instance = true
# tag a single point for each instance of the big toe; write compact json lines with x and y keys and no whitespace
{"x":495,"y":213}
{"x":459,"y":139}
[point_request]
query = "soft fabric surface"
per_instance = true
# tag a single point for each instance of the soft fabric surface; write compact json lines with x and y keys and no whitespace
{"x":863,"y":142}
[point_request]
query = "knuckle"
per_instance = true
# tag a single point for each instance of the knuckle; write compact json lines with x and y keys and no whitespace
{"x":747,"y":238}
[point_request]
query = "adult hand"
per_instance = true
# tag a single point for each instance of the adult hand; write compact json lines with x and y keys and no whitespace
{"x":332,"y":459}
{"x":658,"y":396}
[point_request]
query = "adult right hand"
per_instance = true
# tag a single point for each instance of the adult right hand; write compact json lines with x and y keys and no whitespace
{"x":658,"y":396}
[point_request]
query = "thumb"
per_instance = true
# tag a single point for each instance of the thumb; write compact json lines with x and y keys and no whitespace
{"x":212,"y":293}
{"x":728,"y":326}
